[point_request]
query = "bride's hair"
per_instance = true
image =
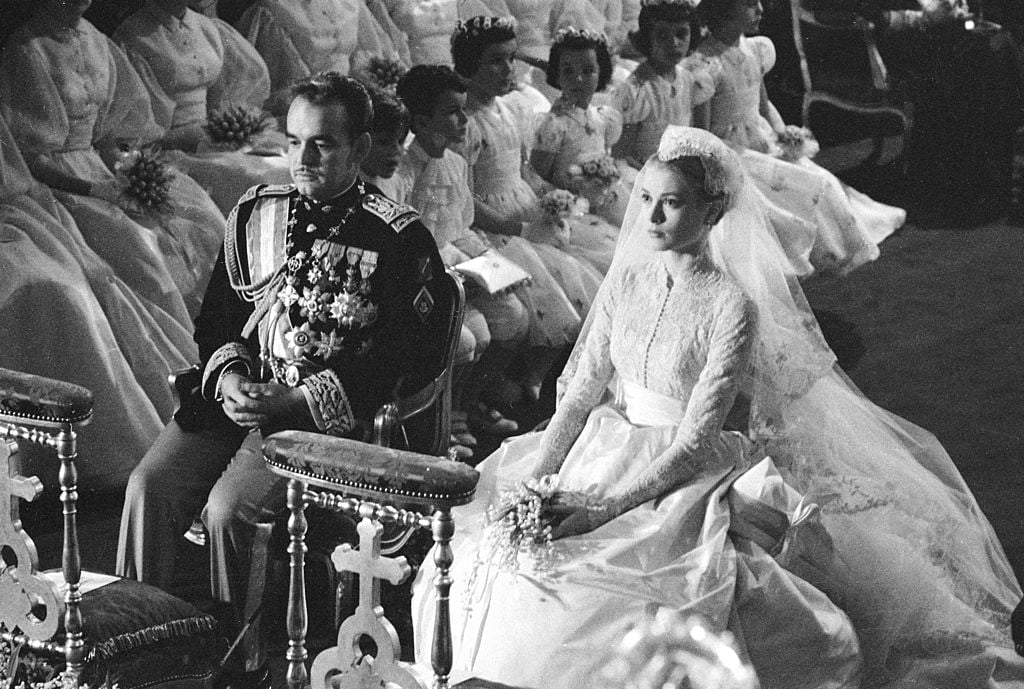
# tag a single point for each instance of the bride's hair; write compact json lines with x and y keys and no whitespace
{"x":692,"y":169}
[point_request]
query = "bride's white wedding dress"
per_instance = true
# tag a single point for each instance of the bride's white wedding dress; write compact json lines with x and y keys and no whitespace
{"x":679,"y":349}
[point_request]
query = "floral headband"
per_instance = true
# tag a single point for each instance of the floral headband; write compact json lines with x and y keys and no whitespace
{"x":722,"y":174}
{"x":585,"y":34}
{"x":476,"y":26}
{"x":692,"y":4}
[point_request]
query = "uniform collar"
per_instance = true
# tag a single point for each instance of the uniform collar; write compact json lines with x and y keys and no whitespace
{"x":343,"y":200}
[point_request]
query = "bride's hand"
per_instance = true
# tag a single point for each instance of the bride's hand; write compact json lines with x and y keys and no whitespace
{"x":579,"y":519}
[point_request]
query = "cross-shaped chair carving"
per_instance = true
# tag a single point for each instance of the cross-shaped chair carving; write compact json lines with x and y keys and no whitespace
{"x":360,"y":479}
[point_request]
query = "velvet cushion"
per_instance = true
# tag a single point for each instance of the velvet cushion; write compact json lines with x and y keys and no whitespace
{"x":34,"y":399}
{"x":141,"y":636}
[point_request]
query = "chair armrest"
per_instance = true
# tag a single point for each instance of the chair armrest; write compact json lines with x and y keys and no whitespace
{"x":371,"y":471}
{"x":39,"y":401}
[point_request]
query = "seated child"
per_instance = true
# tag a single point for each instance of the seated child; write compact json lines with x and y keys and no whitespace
{"x":387,"y":144}
{"x":437,"y":180}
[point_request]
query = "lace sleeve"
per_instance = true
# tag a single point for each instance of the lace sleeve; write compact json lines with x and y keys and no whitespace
{"x":731,"y":341}
{"x":550,"y":133}
{"x":586,"y":387}
{"x":764,"y":49}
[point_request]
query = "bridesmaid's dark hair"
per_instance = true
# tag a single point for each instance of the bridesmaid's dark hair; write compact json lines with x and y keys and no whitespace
{"x":575,"y":39}
{"x":472,"y":36}
{"x":671,"y":12}
{"x":422,"y":86}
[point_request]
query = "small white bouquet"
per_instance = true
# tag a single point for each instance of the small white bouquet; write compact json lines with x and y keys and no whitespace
{"x":600,"y":170}
{"x":556,"y":206}
{"x":796,"y":142}
{"x":381,"y":72}
{"x":520,"y":524}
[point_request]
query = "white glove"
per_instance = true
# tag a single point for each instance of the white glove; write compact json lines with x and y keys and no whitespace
{"x":109,"y":191}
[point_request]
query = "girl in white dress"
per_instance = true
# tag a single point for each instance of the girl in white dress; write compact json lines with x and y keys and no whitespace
{"x":849,"y":224}
{"x":579,"y":66}
{"x":192,"y":65}
{"x":483,"y":50}
{"x":70,"y":98}
{"x":664,"y":89}
{"x":885,"y":574}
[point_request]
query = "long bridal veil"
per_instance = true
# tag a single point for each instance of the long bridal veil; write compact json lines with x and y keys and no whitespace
{"x":917,"y":566}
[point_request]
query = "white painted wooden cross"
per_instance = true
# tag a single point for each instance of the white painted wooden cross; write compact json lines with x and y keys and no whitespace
{"x":343,"y":667}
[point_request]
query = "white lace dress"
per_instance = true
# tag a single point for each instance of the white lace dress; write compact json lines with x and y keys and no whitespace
{"x":194,"y":65}
{"x":678,"y":349}
{"x":570,"y":133}
{"x":653,"y":102}
{"x":64,"y":92}
{"x":494,"y":150}
{"x":849,"y":224}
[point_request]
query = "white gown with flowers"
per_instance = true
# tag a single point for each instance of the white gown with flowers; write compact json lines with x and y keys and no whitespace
{"x":65,"y":93}
{"x":494,"y":152}
{"x":653,"y":102}
{"x":679,"y":350}
{"x":192,"y":66}
{"x":850,"y":225}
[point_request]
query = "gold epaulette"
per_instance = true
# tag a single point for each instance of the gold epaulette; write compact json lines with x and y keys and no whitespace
{"x":398,"y":215}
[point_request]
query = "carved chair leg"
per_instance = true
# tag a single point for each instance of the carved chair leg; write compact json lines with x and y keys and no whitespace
{"x":441,"y":651}
{"x":296,"y":675}
{"x":74,"y":645}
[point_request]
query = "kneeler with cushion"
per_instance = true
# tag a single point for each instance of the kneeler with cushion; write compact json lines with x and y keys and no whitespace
{"x":104,"y":629}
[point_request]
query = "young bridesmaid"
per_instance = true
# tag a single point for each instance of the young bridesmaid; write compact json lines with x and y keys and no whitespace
{"x":664,"y":89}
{"x":483,"y":51}
{"x":579,"y":66}
{"x":849,"y":225}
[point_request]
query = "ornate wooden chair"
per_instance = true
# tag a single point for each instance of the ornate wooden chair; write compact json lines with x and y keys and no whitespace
{"x":841,"y":67}
{"x":361,"y":479}
{"x":104,"y":629}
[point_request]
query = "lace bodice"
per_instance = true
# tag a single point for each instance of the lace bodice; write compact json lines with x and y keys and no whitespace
{"x":570,"y":132}
{"x":654,"y":102}
{"x":689,"y":339}
{"x":64,"y":90}
{"x":178,"y":60}
{"x":738,"y":72}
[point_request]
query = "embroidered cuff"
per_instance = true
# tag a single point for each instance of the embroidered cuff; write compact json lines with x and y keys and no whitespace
{"x":231,"y":353}
{"x":328,"y":403}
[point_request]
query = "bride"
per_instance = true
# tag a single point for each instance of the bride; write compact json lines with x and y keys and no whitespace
{"x":885,"y":573}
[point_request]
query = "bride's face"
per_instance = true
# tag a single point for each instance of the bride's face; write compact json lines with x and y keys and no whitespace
{"x":674,"y":212}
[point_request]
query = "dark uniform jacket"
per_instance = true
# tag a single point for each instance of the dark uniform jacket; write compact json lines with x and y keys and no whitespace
{"x":338,"y":297}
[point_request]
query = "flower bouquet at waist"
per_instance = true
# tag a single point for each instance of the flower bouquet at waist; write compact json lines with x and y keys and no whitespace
{"x":600,"y":170}
{"x":145,"y":181}
{"x":596,"y":178}
{"x":380,"y":72}
{"x":552,"y":227}
{"x":520,"y":524}
{"x":235,"y":127}
{"x":796,"y":143}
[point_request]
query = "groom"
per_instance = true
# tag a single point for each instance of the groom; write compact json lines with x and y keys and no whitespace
{"x":320,"y":310}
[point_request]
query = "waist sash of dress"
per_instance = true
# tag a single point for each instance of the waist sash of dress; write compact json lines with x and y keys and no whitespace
{"x":190,"y":107}
{"x":645,"y":407}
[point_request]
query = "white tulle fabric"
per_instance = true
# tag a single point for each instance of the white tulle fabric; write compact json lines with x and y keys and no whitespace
{"x":918,"y":568}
